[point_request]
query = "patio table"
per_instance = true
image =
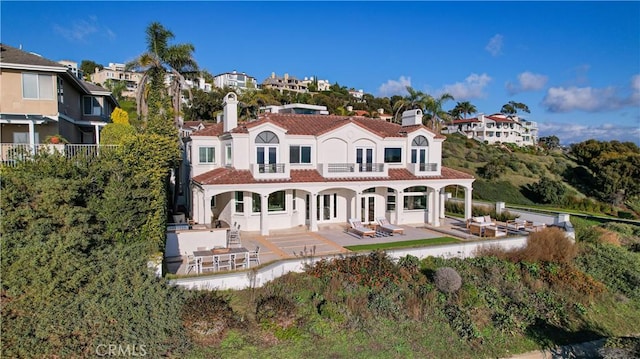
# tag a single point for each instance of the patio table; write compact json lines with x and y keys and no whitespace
{"x":233,"y":253}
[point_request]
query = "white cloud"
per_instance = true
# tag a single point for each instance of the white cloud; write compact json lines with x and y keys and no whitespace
{"x":395,"y":87}
{"x":495,"y":45}
{"x":471,"y":88}
{"x":635,"y":90}
{"x":573,"y":133}
{"x":527,"y":81}
{"x":81,"y":30}
{"x":561,"y":99}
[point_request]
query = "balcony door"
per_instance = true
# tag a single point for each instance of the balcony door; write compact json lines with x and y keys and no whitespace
{"x":267,"y":151}
{"x":364,"y":158}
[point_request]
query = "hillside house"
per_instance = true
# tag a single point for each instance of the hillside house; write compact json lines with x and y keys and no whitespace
{"x":42,"y":98}
{"x":293,"y":170}
{"x":496,"y":128}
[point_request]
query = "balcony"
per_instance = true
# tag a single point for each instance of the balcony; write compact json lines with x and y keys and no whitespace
{"x":270,"y":171}
{"x":12,"y":153}
{"x":424,"y":169}
{"x":346,"y":170}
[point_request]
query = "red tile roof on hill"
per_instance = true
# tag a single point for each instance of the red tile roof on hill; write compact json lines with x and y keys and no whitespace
{"x":222,"y":176}
{"x":314,"y":125}
{"x":467,"y":120}
{"x":214,"y":129}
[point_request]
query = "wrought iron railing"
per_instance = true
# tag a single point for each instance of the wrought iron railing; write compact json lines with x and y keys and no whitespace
{"x":371,"y":167}
{"x":271,"y":168}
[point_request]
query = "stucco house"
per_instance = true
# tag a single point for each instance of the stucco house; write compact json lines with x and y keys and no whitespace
{"x":496,"y":128}
{"x":42,"y":98}
{"x":294,"y":170}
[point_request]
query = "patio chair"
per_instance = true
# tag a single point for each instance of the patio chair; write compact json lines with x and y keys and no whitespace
{"x":240,"y":261}
{"x":385,"y":226}
{"x":208,"y":263}
{"x":192,"y":263}
{"x":517,"y":224}
{"x":358,"y":228}
{"x":255,"y":256}
{"x":222,"y":263}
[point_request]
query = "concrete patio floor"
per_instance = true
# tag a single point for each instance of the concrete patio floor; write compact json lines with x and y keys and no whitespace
{"x":330,"y":239}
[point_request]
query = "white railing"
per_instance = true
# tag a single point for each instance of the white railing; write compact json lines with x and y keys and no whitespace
{"x":270,"y":171}
{"x":12,"y":153}
{"x":334,"y":170}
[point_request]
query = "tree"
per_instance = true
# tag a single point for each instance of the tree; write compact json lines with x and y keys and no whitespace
{"x":116,"y":87}
{"x":433,"y":109}
{"x":414,"y":99}
{"x":463,"y":108}
{"x":511,"y":108}
{"x":88,"y":67}
{"x":548,"y":191}
{"x":159,"y":59}
{"x":550,"y":142}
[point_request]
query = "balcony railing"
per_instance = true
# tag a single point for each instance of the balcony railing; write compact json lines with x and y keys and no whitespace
{"x":353,"y":170}
{"x":422,"y":169}
{"x":12,"y":153}
{"x":271,"y":168}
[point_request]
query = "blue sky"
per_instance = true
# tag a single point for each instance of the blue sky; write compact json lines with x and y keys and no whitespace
{"x":575,"y":64}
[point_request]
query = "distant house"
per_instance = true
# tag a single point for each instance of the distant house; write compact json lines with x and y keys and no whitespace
{"x":290,"y":170}
{"x":297,"y":108}
{"x":286,"y":83}
{"x":118,"y":72}
{"x":239,"y":81}
{"x":496,"y":128}
{"x":42,"y":98}
{"x":321,"y":85}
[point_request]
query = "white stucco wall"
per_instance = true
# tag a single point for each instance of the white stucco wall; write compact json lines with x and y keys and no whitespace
{"x":257,"y":278}
{"x":181,"y":242}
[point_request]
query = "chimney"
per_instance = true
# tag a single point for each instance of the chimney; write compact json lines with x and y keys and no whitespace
{"x":273,"y":75}
{"x":381,"y":111}
{"x":350,"y":108}
{"x":412,"y":117}
{"x":286,"y":76}
{"x":230,"y":111}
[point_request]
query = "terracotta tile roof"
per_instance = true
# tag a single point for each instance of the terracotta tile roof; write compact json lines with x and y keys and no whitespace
{"x":222,"y":176}
{"x":500,"y":118}
{"x":314,"y":125}
{"x":11,"y":55}
{"x":213,"y":129}
{"x":467,"y":120}
{"x":361,"y":112}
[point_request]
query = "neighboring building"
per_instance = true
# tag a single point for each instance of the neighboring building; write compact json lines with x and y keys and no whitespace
{"x":286,"y":83}
{"x":198,"y":83}
{"x":236,"y":81}
{"x":288,"y":170}
{"x":358,"y":95}
{"x":497,"y":128}
{"x":297,"y":108}
{"x":117,"y":72}
{"x":43,"y":98}
{"x":322,"y":85}
{"x":73,"y":66}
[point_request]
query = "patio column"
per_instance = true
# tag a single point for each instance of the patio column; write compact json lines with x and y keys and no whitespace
{"x":358,"y":206}
{"x":32,"y":137}
{"x":313,"y":215}
{"x":97,"y":130}
{"x":436,"y":208}
{"x":399,"y":207}
{"x":264,"y":215}
{"x":197,"y":207}
{"x":443,"y":199}
{"x":206,"y":207}
{"x":467,"y":202}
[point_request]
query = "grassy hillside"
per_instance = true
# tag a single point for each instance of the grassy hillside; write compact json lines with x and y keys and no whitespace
{"x":507,"y":174}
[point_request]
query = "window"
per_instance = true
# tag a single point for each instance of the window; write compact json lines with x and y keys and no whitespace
{"x":277,"y":202}
{"x":60,"y":91}
{"x":256,"y":203}
{"x":267,"y":153}
{"x":415,"y":202}
{"x":419,"y":147}
{"x":35,"y":86}
{"x":207,"y":154}
{"x":267,"y":137}
{"x":294,"y":200}
{"x":391,"y":199}
{"x":91,"y":106}
{"x":228,"y":161}
{"x":392,"y":155}
{"x":416,"y":189}
{"x":239,"y":202}
{"x":300,"y":154}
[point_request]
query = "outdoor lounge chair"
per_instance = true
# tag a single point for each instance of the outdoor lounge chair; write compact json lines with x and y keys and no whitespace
{"x":385,"y":226}
{"x":357,"y":227}
{"x":517,"y":224}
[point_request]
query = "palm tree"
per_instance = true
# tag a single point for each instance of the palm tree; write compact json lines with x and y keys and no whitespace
{"x":159,"y":59}
{"x":414,"y":99}
{"x":463,"y":108}
{"x":433,"y":108}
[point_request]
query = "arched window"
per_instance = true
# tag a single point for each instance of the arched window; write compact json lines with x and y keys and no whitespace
{"x":267,"y":152}
{"x":267,"y":137}
{"x":420,"y":151}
